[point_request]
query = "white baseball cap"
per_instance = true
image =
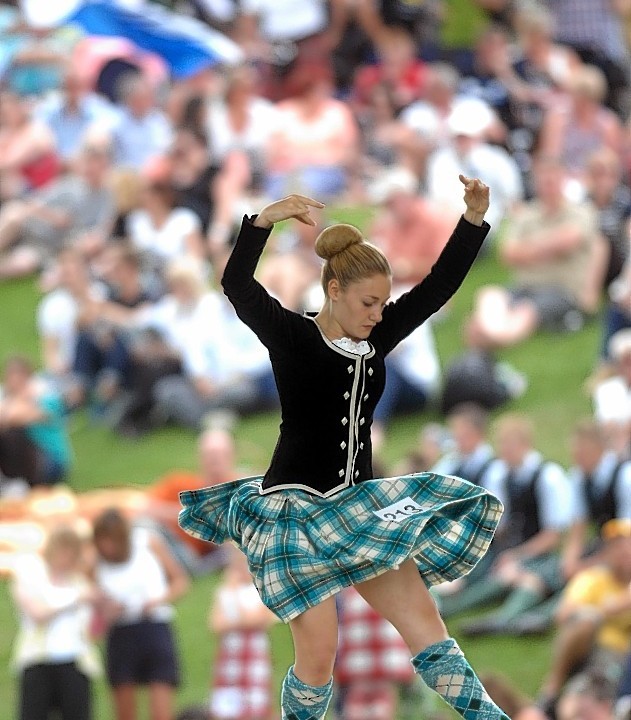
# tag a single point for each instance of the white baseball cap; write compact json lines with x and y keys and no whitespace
{"x":470,"y":117}
{"x":41,"y":14}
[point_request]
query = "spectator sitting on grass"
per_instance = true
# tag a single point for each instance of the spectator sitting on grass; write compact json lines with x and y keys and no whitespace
{"x":211,"y":187}
{"x":588,"y":696}
{"x":594,"y":615}
{"x":142,"y":131}
{"x":28,"y":158}
{"x":225,"y":369}
{"x":469,"y":151}
{"x":558,"y":260}
{"x":603,"y":492}
{"x":34,"y":444}
{"x":574,"y":129}
{"x":489,"y":79}
{"x":595,"y":32}
{"x":397,"y":67}
{"x":601,"y":486}
{"x":542,"y":65}
{"x":430,"y":118}
{"x":102,"y":362}
{"x":160,"y":229}
{"x":612,"y":396}
{"x":315,"y":143}
{"x":387,"y":144}
{"x":73,"y":112}
{"x":60,"y":315}
{"x":538,"y":502}
{"x":241,"y":121}
{"x":77,"y":209}
{"x":472,"y":455}
{"x":612,"y":199}
{"x":164,"y":331}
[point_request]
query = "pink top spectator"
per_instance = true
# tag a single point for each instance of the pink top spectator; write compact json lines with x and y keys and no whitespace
{"x":324,"y":137}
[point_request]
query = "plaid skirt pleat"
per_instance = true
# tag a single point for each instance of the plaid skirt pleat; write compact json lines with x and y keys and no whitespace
{"x":302,"y":548}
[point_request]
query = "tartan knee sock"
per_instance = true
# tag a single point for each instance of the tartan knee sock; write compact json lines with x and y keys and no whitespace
{"x":445,"y":669}
{"x":304,"y":702}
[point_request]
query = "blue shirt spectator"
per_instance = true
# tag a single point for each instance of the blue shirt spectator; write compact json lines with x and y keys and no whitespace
{"x":74,"y":111}
{"x":142,"y":131}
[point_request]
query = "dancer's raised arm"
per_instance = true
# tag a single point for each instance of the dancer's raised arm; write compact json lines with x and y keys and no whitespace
{"x":412,"y":309}
{"x":257,"y":309}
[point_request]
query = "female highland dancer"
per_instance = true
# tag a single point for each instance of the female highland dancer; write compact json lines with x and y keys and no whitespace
{"x":318,"y":521}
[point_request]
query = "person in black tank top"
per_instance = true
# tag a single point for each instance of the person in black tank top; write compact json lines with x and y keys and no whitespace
{"x":538,"y":509}
{"x":468,"y":424}
{"x":602,"y":484}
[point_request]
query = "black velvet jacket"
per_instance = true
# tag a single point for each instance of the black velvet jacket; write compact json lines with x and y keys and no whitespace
{"x":328,"y":395}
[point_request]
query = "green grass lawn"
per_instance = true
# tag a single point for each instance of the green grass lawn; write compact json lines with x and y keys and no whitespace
{"x":556,"y":366}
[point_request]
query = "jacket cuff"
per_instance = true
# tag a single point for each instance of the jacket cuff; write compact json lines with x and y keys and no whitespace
{"x":479,"y":232}
{"x":259,"y":232}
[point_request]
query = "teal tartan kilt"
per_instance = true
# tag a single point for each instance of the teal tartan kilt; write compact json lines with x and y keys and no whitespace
{"x":302,"y":548}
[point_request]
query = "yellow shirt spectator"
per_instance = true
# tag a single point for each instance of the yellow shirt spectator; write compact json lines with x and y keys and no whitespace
{"x":596,"y":587}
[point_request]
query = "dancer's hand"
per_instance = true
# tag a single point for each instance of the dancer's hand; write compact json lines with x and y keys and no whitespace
{"x":476,"y":197}
{"x":293,"y":206}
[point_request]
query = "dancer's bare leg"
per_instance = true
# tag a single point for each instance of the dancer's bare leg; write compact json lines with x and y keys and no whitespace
{"x":315,"y":643}
{"x":308,"y":686}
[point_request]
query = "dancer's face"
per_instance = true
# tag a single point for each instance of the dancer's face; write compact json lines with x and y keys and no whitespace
{"x":358,"y":307}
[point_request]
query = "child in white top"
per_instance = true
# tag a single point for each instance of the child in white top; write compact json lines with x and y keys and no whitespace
{"x":53,"y":653}
{"x":139,"y":578}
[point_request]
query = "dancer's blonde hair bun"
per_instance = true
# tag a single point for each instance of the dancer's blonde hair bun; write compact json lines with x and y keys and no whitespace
{"x":335,"y":239}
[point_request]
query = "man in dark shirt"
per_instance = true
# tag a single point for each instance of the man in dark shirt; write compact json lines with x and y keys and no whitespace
{"x":102,"y":358}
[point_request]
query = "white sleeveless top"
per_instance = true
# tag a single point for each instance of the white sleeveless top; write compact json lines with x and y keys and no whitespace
{"x":65,"y":637}
{"x":135,"y":581}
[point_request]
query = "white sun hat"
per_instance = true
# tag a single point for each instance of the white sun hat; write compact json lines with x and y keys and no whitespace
{"x":42,"y":14}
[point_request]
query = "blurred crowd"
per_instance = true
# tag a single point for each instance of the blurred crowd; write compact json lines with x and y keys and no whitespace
{"x":122,"y":187}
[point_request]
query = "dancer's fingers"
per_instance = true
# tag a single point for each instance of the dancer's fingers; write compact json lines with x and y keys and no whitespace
{"x":310,"y":201}
{"x":306,"y":219}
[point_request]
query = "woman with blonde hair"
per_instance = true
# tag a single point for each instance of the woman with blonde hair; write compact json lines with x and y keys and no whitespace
{"x":319,"y":521}
{"x":53,"y":653}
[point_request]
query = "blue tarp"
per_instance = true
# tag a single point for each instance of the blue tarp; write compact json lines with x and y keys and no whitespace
{"x":186,"y":44}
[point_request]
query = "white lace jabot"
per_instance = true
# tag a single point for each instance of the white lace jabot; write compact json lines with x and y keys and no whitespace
{"x":357,"y":348}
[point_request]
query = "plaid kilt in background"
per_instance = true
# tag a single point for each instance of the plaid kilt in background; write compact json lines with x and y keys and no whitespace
{"x":302,"y":548}
{"x":370,"y":650}
{"x":242,"y":687}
